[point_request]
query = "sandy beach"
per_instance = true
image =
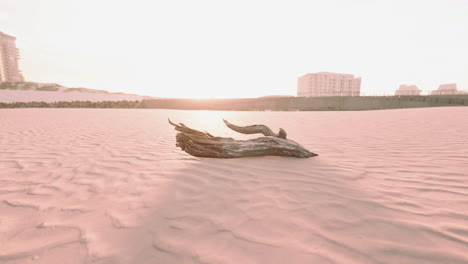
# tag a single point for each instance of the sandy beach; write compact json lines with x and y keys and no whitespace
{"x":109,"y":186}
{"x":11,"y":96}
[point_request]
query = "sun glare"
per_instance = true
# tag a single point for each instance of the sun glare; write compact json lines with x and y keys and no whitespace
{"x":212,"y":49}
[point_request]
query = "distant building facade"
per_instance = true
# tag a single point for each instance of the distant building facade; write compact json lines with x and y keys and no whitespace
{"x":444,"y":89}
{"x":328,"y":84}
{"x":408,"y":90}
{"x":9,"y":56}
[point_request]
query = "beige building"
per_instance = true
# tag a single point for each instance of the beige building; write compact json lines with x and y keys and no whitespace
{"x":328,"y":84}
{"x":449,"y":88}
{"x":408,"y":90}
{"x":9,"y":56}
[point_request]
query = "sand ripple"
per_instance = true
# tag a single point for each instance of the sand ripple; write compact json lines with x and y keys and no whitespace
{"x":109,"y":186}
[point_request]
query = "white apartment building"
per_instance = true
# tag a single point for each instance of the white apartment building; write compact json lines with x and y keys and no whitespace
{"x":408,"y":90}
{"x":9,"y":56}
{"x":328,"y":84}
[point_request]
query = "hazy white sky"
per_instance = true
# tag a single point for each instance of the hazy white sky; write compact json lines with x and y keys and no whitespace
{"x":241,"y":48}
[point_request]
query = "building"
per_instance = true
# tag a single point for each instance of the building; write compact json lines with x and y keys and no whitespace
{"x":328,"y":84}
{"x":9,"y":56}
{"x":408,"y":90}
{"x":444,"y":89}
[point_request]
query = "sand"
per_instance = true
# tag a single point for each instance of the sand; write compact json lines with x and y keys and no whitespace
{"x":11,"y":96}
{"x":109,"y":186}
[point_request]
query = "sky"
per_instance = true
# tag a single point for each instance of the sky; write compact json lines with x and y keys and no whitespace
{"x":238,"y":49}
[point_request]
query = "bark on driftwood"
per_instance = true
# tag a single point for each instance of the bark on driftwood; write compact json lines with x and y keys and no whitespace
{"x":203,"y":144}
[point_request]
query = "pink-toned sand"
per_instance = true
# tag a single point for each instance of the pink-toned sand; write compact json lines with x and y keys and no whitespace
{"x":109,"y":186}
{"x":11,"y":96}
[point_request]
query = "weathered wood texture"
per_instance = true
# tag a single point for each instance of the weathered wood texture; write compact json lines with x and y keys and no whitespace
{"x":203,"y":144}
{"x":254,"y":129}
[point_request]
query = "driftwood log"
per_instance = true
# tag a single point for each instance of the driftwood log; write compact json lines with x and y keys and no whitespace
{"x":203,"y":144}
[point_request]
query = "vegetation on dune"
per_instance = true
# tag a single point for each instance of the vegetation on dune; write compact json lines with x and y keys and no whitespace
{"x":75,"y":90}
{"x":85,"y":90}
{"x":7,"y":86}
{"x":73,"y":104}
{"x":29,"y":86}
{"x":48,"y":88}
{"x":51,"y":87}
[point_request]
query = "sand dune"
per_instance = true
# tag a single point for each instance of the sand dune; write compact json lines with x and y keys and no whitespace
{"x":11,"y":96}
{"x":109,"y":186}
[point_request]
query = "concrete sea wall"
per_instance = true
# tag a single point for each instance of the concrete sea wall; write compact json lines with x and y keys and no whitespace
{"x":308,"y":103}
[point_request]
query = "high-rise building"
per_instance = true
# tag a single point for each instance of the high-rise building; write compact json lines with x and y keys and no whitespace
{"x":9,"y":56}
{"x":408,"y":90}
{"x":328,"y":84}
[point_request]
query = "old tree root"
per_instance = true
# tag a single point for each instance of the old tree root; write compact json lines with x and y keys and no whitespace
{"x":203,"y":144}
